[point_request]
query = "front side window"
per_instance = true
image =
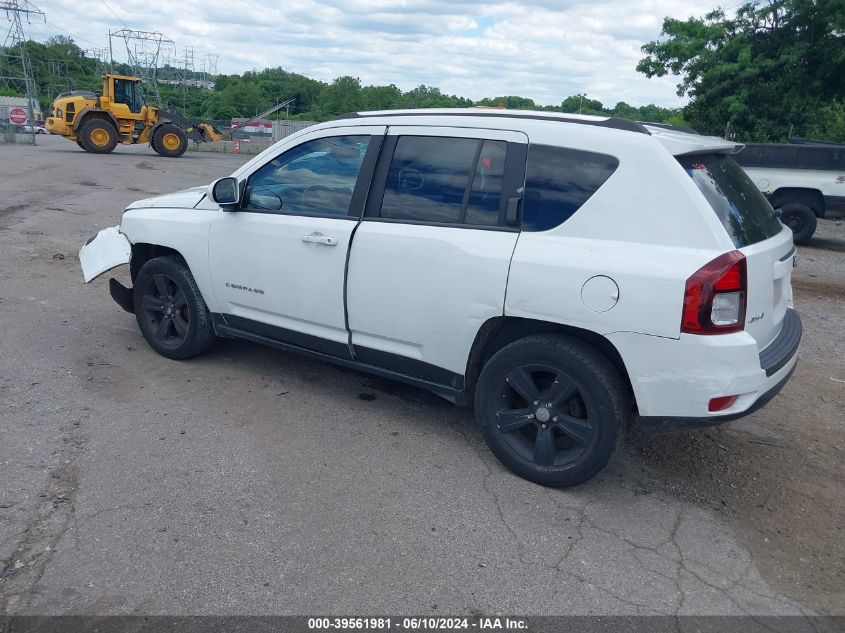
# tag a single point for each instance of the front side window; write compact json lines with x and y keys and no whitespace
{"x":443,"y":180}
{"x":315,"y":178}
{"x":558,"y":181}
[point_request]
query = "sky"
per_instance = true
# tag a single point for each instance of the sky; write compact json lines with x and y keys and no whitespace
{"x":546,"y":50}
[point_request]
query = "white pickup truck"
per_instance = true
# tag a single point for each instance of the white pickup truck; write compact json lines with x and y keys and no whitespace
{"x":802,"y":181}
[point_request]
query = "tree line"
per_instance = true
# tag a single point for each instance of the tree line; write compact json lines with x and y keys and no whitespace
{"x":59,"y":64}
{"x":774,"y":69}
{"x":771,"y":70}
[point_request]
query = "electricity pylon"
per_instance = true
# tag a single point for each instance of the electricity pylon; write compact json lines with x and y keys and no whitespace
{"x":15,"y":67}
{"x":143,"y":48}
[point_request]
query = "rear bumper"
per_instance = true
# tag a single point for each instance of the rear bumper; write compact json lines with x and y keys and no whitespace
{"x":781,"y":351}
{"x":655,"y":425}
{"x":675,"y":379}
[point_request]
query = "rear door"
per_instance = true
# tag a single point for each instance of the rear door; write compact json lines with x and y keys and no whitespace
{"x":429,"y":262}
{"x":757,"y":233}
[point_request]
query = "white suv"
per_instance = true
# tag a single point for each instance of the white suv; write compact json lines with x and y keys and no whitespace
{"x":561,"y":273}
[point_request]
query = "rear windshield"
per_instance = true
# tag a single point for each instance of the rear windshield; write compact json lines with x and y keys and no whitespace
{"x":744,"y":212}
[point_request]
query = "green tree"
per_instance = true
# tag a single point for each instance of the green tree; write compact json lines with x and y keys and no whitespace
{"x":512,"y":103}
{"x":341,"y":96}
{"x":430,"y":97}
{"x":775,"y":66}
{"x":581,"y":104}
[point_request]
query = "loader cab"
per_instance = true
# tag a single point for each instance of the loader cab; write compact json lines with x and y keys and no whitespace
{"x":124,"y":91}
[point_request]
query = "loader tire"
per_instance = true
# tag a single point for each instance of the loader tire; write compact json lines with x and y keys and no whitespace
{"x":169,"y":140}
{"x":78,"y":142}
{"x":98,"y":136}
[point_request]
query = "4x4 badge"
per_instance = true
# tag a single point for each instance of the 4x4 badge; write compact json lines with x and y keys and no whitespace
{"x":756,"y":318}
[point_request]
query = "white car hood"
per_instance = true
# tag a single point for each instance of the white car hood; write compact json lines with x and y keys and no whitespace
{"x":185,"y":199}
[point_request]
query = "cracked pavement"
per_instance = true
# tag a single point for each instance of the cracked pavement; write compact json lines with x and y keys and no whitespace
{"x":251,"y":481}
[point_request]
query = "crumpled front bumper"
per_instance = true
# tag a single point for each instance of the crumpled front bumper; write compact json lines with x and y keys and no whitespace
{"x":106,"y":250}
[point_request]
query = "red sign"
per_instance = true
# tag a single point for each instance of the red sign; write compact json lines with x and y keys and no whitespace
{"x":17,"y":116}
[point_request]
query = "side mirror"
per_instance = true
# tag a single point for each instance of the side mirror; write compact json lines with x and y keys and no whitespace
{"x":225,"y":193}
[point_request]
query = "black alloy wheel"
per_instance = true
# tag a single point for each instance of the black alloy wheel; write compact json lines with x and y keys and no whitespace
{"x":546,"y":417}
{"x":165,"y":309}
{"x":170,"y":309}
{"x":552,"y":408}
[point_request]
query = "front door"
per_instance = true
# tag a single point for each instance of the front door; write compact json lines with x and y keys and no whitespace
{"x":278,"y":262}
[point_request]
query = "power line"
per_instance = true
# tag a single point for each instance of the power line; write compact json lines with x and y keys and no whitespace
{"x":106,"y":5}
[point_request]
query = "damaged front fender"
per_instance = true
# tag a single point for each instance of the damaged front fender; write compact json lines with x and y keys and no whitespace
{"x":106,"y":250}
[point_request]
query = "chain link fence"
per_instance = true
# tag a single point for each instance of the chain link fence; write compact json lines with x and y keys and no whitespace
{"x":247,"y":141}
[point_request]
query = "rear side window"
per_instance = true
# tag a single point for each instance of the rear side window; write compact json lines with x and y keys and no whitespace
{"x":558,"y":181}
{"x":744,"y":212}
{"x":443,"y":180}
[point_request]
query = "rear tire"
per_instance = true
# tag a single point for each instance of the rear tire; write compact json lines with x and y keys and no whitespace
{"x":98,"y":136}
{"x":78,"y":142}
{"x":170,"y":310}
{"x":169,"y":140}
{"x":801,"y":219}
{"x":552,"y":409}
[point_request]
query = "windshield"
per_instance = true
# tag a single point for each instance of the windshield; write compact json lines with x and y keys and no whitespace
{"x":744,"y":212}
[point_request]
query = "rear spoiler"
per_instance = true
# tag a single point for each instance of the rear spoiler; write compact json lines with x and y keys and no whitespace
{"x":680,"y":143}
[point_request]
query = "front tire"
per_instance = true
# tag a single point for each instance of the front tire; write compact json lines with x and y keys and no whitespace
{"x":552,"y":409}
{"x":169,"y":140}
{"x":801,"y":219}
{"x":98,"y":136}
{"x":170,"y":310}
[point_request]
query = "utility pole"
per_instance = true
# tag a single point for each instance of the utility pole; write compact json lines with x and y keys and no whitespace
{"x":15,"y":67}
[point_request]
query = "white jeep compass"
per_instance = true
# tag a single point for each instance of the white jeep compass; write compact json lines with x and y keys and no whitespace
{"x":559,"y":273}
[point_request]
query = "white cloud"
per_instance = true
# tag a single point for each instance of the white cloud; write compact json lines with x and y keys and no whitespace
{"x":546,"y":50}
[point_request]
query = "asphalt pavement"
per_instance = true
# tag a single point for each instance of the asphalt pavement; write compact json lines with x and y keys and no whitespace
{"x":252,"y":481}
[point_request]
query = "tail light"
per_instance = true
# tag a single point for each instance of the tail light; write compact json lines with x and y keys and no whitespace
{"x":715,"y":297}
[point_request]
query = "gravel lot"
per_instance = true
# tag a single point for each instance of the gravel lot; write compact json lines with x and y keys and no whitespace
{"x":251,"y":481}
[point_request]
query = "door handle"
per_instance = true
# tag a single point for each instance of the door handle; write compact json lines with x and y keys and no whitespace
{"x":319,"y":238}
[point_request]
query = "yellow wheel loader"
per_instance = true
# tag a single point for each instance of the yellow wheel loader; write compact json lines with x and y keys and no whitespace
{"x":98,"y":122}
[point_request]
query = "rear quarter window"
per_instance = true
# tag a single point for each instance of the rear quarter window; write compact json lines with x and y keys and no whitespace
{"x":744,"y":212}
{"x":558,"y":181}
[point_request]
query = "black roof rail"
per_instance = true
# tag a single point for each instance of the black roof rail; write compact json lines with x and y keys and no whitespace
{"x":615,"y":123}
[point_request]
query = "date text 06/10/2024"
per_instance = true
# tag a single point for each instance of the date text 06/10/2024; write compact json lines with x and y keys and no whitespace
{"x":417,"y":624}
